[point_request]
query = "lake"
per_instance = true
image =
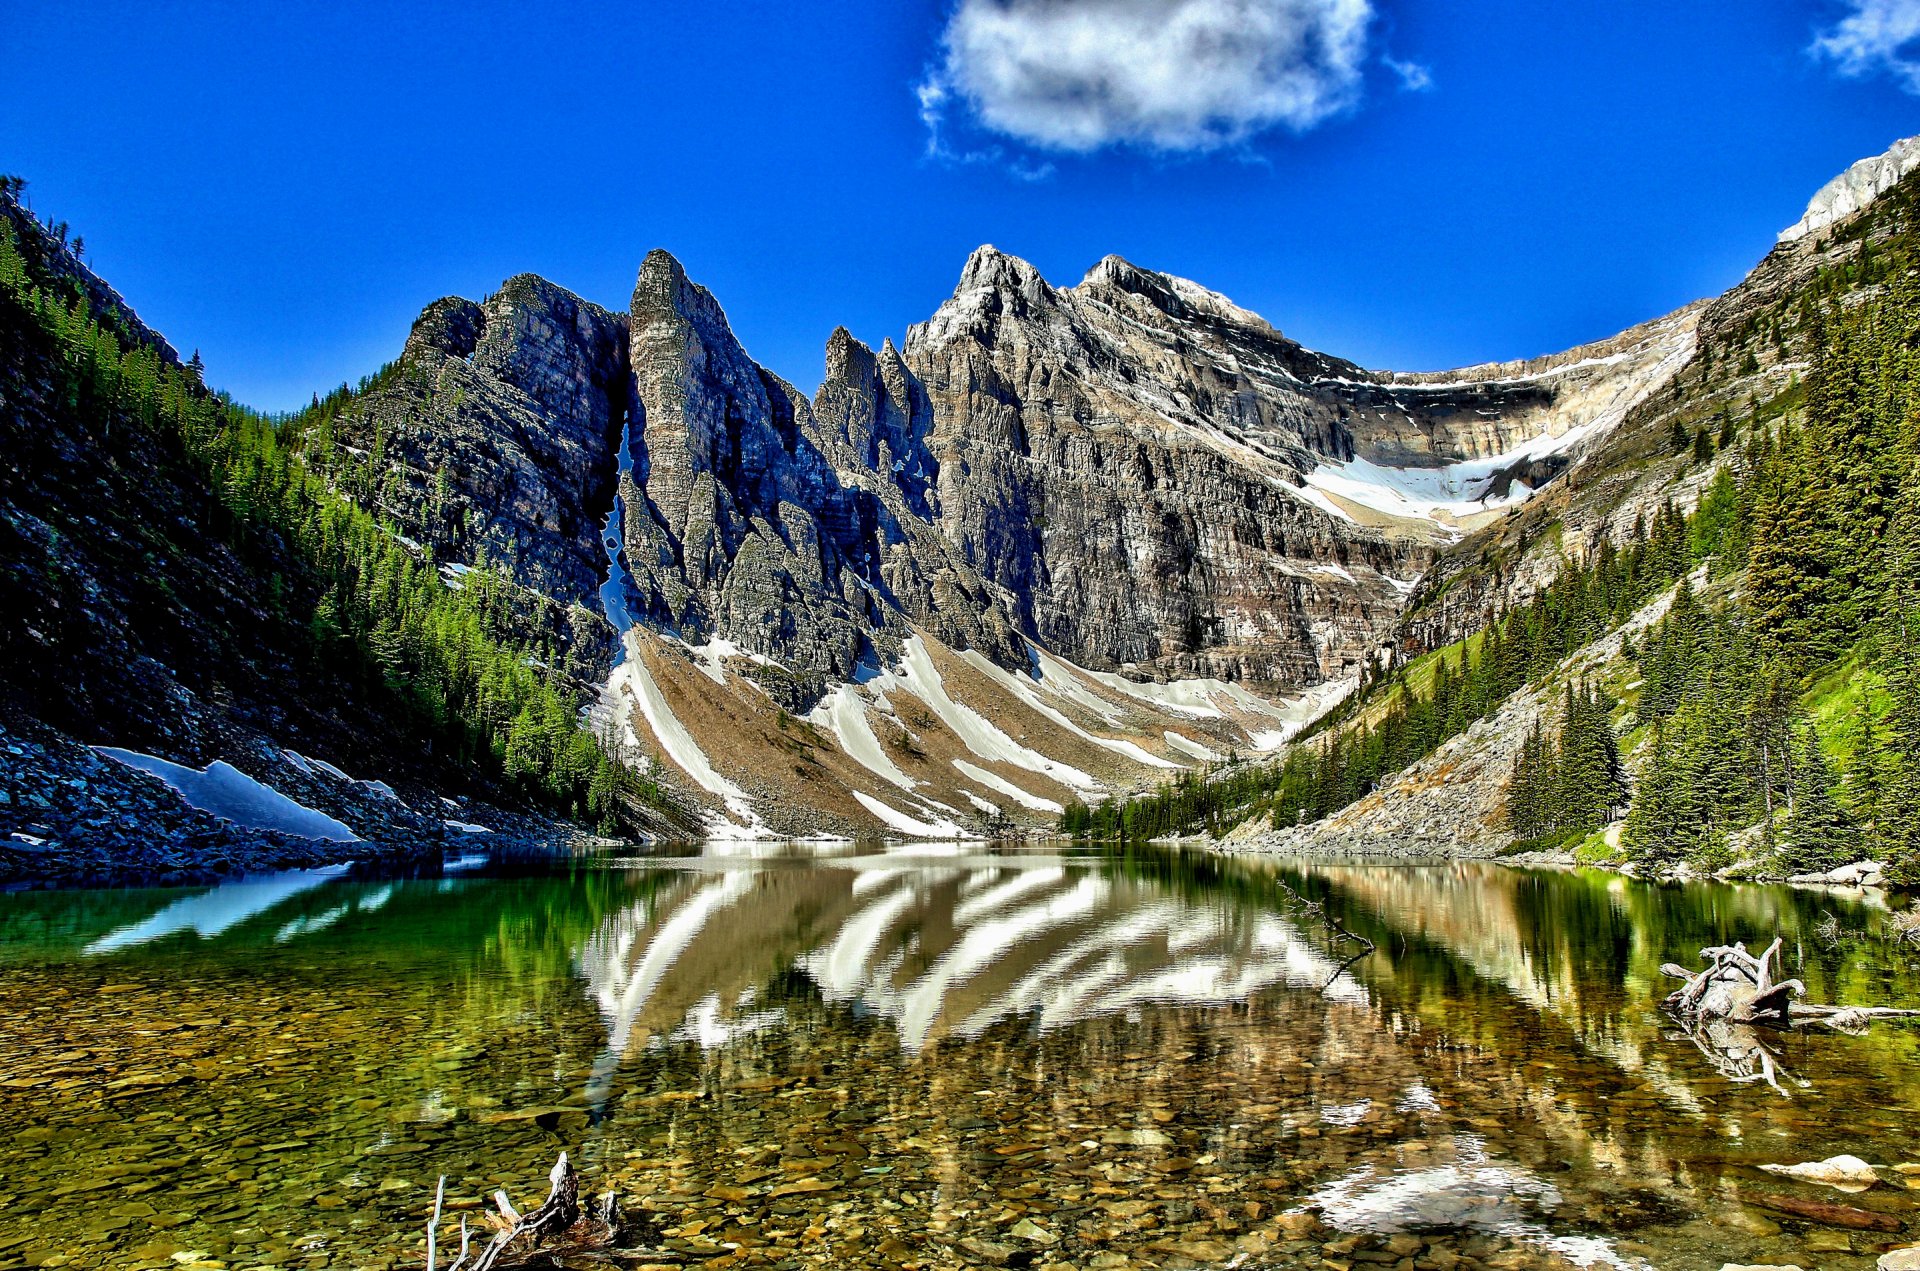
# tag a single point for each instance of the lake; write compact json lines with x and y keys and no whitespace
{"x":941,"y":1055}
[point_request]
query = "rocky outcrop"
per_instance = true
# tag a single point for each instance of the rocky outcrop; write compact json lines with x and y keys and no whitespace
{"x":493,"y":437}
{"x":1853,"y":190}
{"x":806,"y":538}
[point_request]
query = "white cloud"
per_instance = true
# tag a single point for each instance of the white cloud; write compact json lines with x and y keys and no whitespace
{"x":1875,"y":36}
{"x":1414,"y":77}
{"x":1171,"y":75}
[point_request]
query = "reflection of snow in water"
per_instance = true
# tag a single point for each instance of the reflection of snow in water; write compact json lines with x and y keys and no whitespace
{"x":706,"y":1025}
{"x":1417,"y":1098}
{"x":212,"y":912}
{"x":307,"y":926}
{"x":1346,"y":1113}
{"x":936,"y":947}
{"x":1475,"y":1193}
{"x":622,"y":983}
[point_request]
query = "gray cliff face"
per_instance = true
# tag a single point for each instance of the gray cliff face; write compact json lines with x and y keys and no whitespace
{"x":494,"y":434}
{"x":804,"y":537}
{"x":1131,"y":472}
{"x":1125,"y":459}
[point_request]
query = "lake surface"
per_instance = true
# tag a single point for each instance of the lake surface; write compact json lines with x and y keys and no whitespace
{"x":938,"y":1056}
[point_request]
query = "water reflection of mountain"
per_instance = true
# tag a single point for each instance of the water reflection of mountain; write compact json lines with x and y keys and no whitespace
{"x":942,"y":941}
{"x":937,"y":946}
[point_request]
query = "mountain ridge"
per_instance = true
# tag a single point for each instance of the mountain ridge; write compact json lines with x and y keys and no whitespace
{"x":1131,"y":476}
{"x":1055,"y":544}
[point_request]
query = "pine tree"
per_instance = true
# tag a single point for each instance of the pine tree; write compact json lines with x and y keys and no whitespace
{"x":1817,"y":835}
{"x":1866,"y":771}
{"x":1898,"y":829}
{"x":1658,"y":828}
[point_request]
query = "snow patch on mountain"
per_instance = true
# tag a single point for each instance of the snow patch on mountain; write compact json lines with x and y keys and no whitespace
{"x":634,"y":681}
{"x":918,"y":675}
{"x":1024,"y":690}
{"x":843,"y":713}
{"x":226,"y":792}
{"x":1439,"y":494}
{"x":994,"y":781}
{"x":895,"y":819}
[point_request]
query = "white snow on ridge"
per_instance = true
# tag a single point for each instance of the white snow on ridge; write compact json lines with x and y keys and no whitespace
{"x":843,"y":713}
{"x":1457,"y":490}
{"x":633,"y":676}
{"x":311,"y":763}
{"x":996,"y":782}
{"x":893,"y":818}
{"x":1195,"y":698}
{"x":1189,"y":746}
{"x":1023,"y":689}
{"x":980,"y":804}
{"x":918,"y":675}
{"x":1062,"y":679}
{"x":712,"y":656}
{"x":226,"y":792}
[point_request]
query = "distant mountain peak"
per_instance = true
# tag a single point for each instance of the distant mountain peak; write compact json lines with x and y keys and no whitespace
{"x":1855,"y":188}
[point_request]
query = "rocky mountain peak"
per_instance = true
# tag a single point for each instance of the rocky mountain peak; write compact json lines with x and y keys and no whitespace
{"x":1854,"y":189}
{"x":1177,"y":298}
{"x":995,"y":281}
{"x":451,"y":325}
{"x":849,"y":361}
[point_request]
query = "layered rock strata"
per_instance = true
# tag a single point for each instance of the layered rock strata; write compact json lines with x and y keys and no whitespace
{"x":1130,"y":477}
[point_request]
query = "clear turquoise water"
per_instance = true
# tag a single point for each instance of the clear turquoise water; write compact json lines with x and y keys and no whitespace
{"x":939,"y":1056}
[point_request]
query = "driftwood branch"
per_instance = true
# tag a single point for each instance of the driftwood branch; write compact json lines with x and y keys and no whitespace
{"x":559,"y":1213}
{"x":559,"y":1228}
{"x":1319,"y":911}
{"x":1740,"y":988}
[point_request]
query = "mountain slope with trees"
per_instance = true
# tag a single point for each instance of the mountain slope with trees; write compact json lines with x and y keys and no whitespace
{"x":179,"y":581}
{"x":1765,"y":710}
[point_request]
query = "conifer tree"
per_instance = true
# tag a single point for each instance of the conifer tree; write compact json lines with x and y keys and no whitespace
{"x":1817,"y":834}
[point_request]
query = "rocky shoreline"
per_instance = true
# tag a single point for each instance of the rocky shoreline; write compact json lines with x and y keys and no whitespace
{"x":70,"y":817}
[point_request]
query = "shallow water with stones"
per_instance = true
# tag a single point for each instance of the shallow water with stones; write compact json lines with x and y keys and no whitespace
{"x":938,"y":1056}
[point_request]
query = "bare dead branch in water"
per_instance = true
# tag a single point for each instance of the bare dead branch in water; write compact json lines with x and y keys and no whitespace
{"x":1320,"y":912}
{"x":555,"y":1220}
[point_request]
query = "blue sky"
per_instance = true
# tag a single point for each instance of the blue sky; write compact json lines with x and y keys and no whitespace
{"x":285,"y":187}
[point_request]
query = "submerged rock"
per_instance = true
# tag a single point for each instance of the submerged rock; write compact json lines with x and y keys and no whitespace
{"x":1843,"y":1173}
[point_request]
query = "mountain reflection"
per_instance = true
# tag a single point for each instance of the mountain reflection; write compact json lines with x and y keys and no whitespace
{"x":937,"y":946}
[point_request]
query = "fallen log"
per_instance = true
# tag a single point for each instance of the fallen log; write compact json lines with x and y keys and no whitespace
{"x":1824,"y":1212}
